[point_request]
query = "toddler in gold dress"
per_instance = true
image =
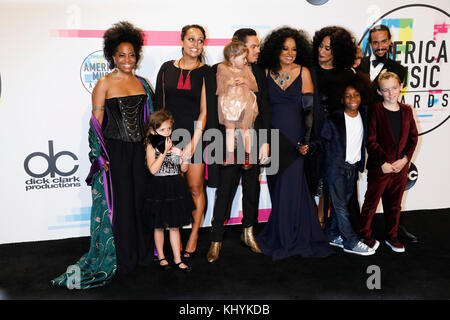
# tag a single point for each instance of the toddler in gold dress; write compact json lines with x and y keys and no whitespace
{"x":237,"y":106}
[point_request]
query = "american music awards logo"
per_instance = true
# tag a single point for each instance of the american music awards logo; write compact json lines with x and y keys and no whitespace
{"x":92,"y":69}
{"x":420,"y":37}
{"x":50,"y":170}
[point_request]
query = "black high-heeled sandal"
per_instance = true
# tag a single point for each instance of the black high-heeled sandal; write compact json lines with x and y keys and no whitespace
{"x":187,"y":269}
{"x":165,"y":266}
{"x":190,"y":255}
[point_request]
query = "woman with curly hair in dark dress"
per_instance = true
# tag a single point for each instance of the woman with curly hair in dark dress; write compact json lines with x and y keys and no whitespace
{"x":121,"y":104}
{"x":334,"y":52}
{"x":293,"y":228}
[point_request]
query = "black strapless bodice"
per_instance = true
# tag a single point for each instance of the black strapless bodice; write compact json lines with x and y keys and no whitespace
{"x":125,"y":118}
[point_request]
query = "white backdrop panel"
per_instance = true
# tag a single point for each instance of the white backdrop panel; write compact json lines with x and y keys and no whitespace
{"x":45,"y":108}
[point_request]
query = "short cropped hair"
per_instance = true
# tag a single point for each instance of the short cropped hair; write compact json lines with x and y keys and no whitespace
{"x":243,"y":33}
{"x":388,"y":75}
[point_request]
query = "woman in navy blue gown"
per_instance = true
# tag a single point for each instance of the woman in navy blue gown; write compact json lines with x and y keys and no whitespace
{"x":293,"y":228}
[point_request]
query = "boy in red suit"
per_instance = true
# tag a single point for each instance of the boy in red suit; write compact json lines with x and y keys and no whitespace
{"x":391,"y":143}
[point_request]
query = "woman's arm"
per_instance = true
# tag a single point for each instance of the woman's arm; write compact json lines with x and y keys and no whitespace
{"x":98,"y":99}
{"x":307,"y":84}
{"x":98,"y":105}
{"x":307,"y":103}
{"x":158,"y":102}
{"x":184,"y":166}
{"x":199,"y":126}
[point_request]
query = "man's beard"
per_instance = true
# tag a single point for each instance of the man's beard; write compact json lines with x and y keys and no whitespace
{"x":382,"y":58}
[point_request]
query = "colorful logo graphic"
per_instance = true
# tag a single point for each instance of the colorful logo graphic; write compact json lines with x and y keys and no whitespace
{"x":93,"y":68}
{"x":77,"y":218}
{"x":413,"y":175}
{"x":420,"y":43}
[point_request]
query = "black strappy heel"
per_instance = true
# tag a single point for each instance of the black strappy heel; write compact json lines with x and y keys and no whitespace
{"x":190,"y":255}
{"x":187,"y":269}
{"x":166,"y":266}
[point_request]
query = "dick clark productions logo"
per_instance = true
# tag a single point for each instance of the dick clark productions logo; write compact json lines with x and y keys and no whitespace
{"x":50,"y":170}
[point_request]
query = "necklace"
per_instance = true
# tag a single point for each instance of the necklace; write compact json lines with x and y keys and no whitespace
{"x":185,"y":85}
{"x":281,"y":78}
{"x":195,"y":67}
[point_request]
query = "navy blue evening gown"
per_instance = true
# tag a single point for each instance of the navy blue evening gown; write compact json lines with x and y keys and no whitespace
{"x":293,"y":227}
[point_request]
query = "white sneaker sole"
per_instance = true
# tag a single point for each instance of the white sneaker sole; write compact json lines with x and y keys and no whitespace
{"x":336,"y":245}
{"x":394,"y":248}
{"x":376,"y":245}
{"x":368,"y":253}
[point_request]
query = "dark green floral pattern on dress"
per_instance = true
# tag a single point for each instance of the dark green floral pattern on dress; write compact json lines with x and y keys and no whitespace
{"x":98,"y":266}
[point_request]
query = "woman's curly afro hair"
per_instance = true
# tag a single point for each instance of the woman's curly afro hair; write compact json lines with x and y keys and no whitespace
{"x":342,"y":44}
{"x":272,"y":45}
{"x":122,"y":32}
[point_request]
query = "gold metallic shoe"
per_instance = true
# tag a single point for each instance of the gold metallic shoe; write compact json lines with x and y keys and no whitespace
{"x":213,"y":252}
{"x":249,"y":240}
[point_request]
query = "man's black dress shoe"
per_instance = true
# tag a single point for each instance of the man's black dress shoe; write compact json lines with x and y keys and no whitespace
{"x":404,"y":234}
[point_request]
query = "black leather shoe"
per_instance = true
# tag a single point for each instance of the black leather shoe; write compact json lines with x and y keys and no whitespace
{"x":404,"y":234}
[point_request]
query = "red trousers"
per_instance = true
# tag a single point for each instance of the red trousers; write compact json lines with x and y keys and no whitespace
{"x":389,"y":187}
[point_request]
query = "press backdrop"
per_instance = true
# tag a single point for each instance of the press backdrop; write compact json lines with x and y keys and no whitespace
{"x":51,"y":57}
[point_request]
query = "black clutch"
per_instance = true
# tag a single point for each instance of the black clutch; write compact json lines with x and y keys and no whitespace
{"x":158,"y":142}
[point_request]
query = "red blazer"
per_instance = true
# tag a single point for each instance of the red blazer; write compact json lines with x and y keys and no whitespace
{"x":380,"y":141}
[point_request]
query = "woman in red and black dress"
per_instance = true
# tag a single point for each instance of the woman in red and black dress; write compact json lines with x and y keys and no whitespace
{"x":186,"y":88}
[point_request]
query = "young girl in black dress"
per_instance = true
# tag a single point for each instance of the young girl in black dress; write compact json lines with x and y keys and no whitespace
{"x":168,"y":202}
